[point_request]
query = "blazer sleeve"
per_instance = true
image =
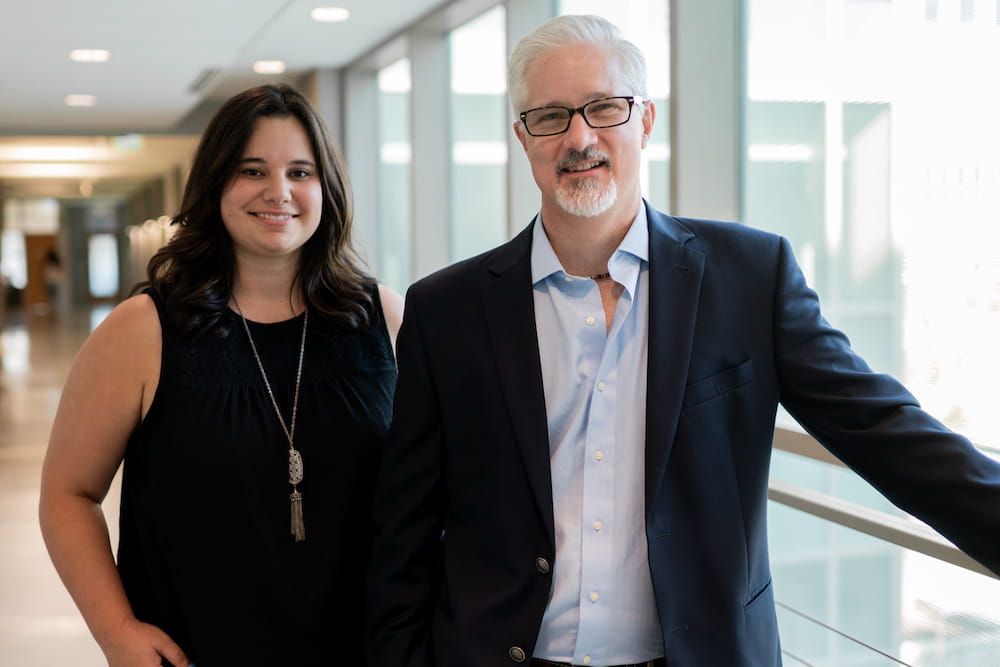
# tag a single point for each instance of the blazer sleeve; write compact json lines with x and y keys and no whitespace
{"x":876,"y":426}
{"x":404,"y":570}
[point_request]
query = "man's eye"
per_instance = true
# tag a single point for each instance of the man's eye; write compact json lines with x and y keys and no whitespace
{"x":555,"y":114}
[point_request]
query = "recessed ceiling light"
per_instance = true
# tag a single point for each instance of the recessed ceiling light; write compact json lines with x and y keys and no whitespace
{"x":269,"y":66}
{"x":329,"y":14}
{"x":80,"y":100}
{"x":90,"y":55}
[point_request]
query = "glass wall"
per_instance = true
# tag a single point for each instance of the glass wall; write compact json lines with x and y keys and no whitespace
{"x":478,"y":107}
{"x":872,"y":143}
{"x":645,"y":23}
{"x":876,"y":150}
{"x":393,"y":229}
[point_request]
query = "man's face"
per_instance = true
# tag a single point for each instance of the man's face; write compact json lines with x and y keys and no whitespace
{"x":584,"y":171}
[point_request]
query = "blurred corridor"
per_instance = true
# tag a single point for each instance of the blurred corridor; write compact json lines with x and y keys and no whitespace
{"x":39,"y":624}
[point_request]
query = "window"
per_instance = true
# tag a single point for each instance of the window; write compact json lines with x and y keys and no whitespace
{"x":393,"y":228}
{"x":102,"y":263}
{"x":645,"y":24}
{"x":478,"y":107}
{"x":13,"y":262}
{"x":872,"y":144}
{"x":24,"y":217}
{"x":876,"y":151}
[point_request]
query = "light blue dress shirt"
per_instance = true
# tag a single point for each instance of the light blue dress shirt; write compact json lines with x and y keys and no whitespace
{"x":601,"y":610}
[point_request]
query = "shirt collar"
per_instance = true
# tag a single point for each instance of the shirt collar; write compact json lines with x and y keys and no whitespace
{"x":635,"y":246}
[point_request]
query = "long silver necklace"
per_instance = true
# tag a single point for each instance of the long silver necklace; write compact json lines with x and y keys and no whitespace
{"x":295,"y":466}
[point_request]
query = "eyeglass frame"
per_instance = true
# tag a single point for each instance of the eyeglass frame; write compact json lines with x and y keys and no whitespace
{"x":633,"y":100}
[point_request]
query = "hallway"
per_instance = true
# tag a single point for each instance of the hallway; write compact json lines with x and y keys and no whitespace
{"x":39,"y":624}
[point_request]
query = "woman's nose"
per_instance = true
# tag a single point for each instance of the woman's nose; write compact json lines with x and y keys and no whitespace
{"x":277,"y":190}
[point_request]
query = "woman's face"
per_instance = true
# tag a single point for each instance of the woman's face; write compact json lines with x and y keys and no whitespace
{"x":272,"y":205}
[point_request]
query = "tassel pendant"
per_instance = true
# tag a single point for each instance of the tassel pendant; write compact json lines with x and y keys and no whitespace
{"x":298,"y":523}
{"x":295,"y":468}
{"x":295,"y":473}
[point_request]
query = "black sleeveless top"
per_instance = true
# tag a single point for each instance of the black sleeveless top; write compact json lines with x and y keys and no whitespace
{"x":205,"y":548}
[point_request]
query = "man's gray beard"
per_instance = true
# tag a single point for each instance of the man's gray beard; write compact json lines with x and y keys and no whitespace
{"x":586,"y":198}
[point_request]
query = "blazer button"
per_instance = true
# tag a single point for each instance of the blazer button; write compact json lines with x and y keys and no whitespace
{"x":516,"y":654}
{"x":542,"y":565}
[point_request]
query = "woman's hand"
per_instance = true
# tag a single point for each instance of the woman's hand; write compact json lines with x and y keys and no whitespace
{"x":139,"y":644}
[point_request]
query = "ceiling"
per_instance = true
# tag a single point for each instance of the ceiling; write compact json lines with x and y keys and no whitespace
{"x":172,"y":63}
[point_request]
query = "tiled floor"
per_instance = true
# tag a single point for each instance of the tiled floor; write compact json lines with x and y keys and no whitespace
{"x":39,"y":624}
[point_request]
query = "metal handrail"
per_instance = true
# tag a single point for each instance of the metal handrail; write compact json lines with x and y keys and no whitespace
{"x":906,"y":532}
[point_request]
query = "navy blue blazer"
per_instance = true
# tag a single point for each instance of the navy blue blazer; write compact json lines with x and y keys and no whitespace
{"x":464,"y":547}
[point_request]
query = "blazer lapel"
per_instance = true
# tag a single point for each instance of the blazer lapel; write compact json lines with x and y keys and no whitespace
{"x":675,"y":275}
{"x":510,"y":315}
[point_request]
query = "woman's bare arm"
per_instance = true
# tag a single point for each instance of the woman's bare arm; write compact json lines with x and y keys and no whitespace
{"x":108,"y":391}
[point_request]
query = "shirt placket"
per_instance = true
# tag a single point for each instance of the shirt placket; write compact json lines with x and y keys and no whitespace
{"x":597,"y":529}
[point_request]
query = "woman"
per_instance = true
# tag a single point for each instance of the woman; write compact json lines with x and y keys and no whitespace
{"x":247,"y":388}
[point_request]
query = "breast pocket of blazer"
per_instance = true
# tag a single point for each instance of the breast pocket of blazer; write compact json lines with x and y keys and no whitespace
{"x":719,"y":384}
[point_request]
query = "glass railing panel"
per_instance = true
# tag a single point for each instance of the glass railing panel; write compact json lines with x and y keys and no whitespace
{"x":849,"y":599}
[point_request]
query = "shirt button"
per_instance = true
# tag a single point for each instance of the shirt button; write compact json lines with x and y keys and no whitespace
{"x":597,"y":525}
{"x":568,"y":279}
{"x":591,"y":321}
{"x":595,"y":596}
{"x":601,"y":386}
{"x":542,"y":565}
{"x":586,"y":659}
{"x":599,"y":455}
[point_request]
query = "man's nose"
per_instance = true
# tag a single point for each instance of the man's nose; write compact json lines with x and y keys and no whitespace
{"x":580,"y":134}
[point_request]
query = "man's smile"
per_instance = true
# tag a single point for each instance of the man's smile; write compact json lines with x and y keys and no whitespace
{"x":584,"y":166}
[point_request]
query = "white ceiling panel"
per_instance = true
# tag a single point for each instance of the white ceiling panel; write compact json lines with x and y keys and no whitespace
{"x":160,"y":53}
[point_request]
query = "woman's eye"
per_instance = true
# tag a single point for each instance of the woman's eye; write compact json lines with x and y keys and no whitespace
{"x":301,"y":173}
{"x":250,"y":171}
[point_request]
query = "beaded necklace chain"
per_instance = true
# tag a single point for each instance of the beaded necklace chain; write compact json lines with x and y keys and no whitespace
{"x":295,"y":466}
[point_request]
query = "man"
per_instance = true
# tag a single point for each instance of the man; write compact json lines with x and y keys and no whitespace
{"x":577,"y":469}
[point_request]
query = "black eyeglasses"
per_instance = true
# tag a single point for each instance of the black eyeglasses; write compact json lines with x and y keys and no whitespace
{"x":602,"y":112}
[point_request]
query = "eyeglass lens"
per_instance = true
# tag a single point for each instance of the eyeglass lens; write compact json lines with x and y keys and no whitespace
{"x":599,"y":113}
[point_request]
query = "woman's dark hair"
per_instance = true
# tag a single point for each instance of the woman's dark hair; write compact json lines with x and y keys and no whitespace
{"x":194,"y":271}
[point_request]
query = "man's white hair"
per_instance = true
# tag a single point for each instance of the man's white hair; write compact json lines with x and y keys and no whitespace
{"x":574,"y":29}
